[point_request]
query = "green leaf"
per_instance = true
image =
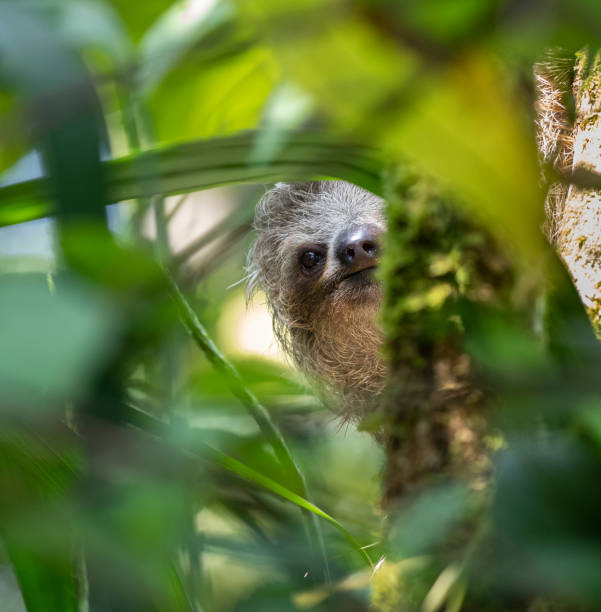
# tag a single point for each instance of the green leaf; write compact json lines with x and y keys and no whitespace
{"x":36,"y":470}
{"x":210,"y":163}
{"x":190,"y":438}
{"x":114,"y":266}
{"x":344,"y":63}
{"x":91,"y":26}
{"x":483,"y":152}
{"x":173,"y":33}
{"x":46,"y":584}
{"x":248,"y":473}
{"x":51,"y":344}
{"x":139,"y":16}
{"x":429,"y":518}
{"x":556,"y":535}
{"x":12,"y":131}
{"x":222,"y":97}
{"x":67,"y":126}
{"x":20,"y":210}
{"x":448,"y":21}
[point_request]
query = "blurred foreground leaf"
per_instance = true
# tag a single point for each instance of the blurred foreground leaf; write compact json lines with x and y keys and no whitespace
{"x":463,"y":128}
{"x":51,"y":344}
{"x":63,"y":108}
{"x":224,"y":97}
{"x":429,"y":519}
{"x":173,"y":33}
{"x":193,"y":441}
{"x":557,"y":536}
{"x":47,"y":585}
{"x":37,"y":468}
{"x":12,"y":140}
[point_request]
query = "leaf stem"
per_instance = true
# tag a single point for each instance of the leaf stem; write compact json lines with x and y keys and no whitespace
{"x":246,"y":397}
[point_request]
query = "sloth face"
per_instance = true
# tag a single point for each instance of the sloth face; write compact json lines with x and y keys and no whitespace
{"x":344,"y":266}
{"x":316,"y":254}
{"x":318,"y":244}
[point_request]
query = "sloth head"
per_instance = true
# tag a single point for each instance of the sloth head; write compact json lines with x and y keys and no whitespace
{"x":315,"y":257}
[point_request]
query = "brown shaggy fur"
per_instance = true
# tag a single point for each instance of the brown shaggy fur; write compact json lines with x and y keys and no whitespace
{"x":554,"y":130}
{"x":326,"y":323}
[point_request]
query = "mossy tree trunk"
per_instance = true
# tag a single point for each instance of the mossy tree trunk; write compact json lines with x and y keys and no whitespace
{"x":437,"y":266}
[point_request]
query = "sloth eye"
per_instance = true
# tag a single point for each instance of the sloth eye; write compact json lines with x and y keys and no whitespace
{"x":310,"y":259}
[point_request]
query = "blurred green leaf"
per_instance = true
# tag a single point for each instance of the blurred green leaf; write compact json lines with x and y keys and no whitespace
{"x":37,"y":468}
{"x":91,"y":26}
{"x":20,"y":210}
{"x":220,"y":98}
{"x":545,"y":515}
{"x":246,"y":472}
{"x":51,"y":344}
{"x":503,"y":347}
{"x":100,"y":259}
{"x":68,"y":126}
{"x":47,"y":585}
{"x":138,"y":17}
{"x":429,"y":518}
{"x":170,"y":36}
{"x":567,"y":328}
{"x":348,"y":69}
{"x":590,"y":420}
{"x":287,"y":108}
{"x":462,"y":128}
{"x":448,"y":21}
{"x":12,"y":128}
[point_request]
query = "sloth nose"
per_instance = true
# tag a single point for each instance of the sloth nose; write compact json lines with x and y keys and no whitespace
{"x":357,"y":248}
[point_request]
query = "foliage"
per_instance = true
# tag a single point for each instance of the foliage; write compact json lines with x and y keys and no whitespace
{"x":140,"y":469}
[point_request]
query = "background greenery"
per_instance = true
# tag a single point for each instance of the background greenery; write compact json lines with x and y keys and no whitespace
{"x":139,"y":470}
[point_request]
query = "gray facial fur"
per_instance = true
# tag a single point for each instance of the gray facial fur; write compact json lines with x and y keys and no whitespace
{"x":325,"y":318}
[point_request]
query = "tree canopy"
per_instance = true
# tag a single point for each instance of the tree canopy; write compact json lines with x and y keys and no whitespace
{"x":147,"y":460}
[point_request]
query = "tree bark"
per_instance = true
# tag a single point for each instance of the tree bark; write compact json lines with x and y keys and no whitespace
{"x":574,"y":212}
{"x":437,"y":263}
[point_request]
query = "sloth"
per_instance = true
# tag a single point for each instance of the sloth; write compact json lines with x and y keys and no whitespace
{"x":316,"y":256}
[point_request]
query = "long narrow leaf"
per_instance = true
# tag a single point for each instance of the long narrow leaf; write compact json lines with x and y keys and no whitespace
{"x":204,"y":164}
{"x":63,"y":107}
{"x":255,"y":408}
{"x":244,"y":471}
{"x":153,"y":425}
{"x":47,"y":585}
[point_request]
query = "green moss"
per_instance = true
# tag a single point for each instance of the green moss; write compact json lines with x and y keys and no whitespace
{"x":589,"y":67}
{"x":433,"y":260}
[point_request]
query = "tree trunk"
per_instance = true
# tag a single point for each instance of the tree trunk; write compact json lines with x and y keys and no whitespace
{"x":574,"y":213}
{"x":437,"y":267}
{"x":434,"y":411}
